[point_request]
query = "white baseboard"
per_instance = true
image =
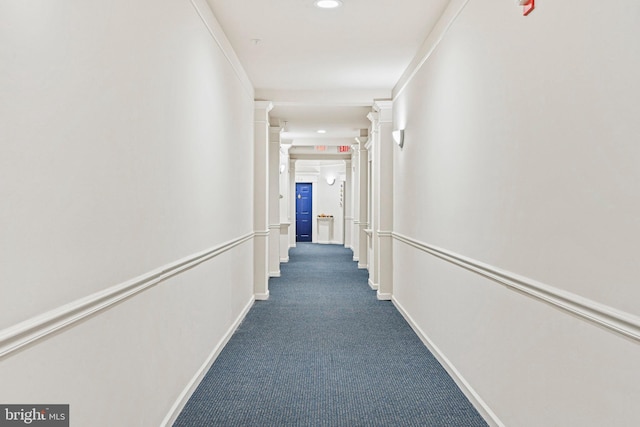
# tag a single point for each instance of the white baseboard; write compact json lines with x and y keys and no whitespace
{"x":261,"y":297}
{"x":183,"y":398}
{"x":274,"y":274}
{"x":362,"y":266}
{"x":355,"y":259}
{"x":485,"y":411}
{"x":372,"y":285}
{"x":383,"y":297}
{"x":284,"y":260}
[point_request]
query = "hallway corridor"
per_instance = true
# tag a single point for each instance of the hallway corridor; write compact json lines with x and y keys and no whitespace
{"x":323,"y":351}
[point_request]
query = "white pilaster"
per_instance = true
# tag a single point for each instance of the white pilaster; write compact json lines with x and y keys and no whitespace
{"x":363,"y":201}
{"x":374,"y":194}
{"x":260,"y":200}
{"x":285,"y":205}
{"x":355,"y":204}
{"x":347,"y":205}
{"x":384,"y":199}
{"x":292,"y":203}
{"x":274,"y":201}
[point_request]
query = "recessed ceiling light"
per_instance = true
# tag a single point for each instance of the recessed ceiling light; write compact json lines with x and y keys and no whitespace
{"x":321,"y":131}
{"x":328,"y":4}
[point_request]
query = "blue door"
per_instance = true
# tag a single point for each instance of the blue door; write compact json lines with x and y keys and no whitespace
{"x":303,"y":212}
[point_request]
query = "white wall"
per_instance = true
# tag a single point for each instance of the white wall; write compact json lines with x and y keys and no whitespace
{"x":329,"y":199}
{"x":121,"y":123}
{"x":521,"y":153}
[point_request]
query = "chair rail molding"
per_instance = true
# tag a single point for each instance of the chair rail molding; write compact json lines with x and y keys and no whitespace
{"x":609,"y":318}
{"x":32,"y":330}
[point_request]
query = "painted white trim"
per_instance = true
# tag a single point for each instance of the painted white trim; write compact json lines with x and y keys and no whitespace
{"x":261,"y":297}
{"x":485,"y":411}
{"x":385,"y":233}
{"x":213,"y":26}
{"x":184,"y":397}
{"x":261,"y":110}
{"x":274,"y":226}
{"x":384,"y":109}
{"x":431,"y":43}
{"x":372,"y":285}
{"x":264,"y":233}
{"x":609,"y":318}
{"x":356,"y":259}
{"x":284,"y":260}
{"x":327,"y":98}
{"x":383,"y":296}
{"x":362,"y":266}
{"x":43,"y":325}
{"x":274,"y":273}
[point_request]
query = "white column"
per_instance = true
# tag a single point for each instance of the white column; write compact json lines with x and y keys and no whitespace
{"x":285,"y":203}
{"x":274,"y":201}
{"x":363,"y":201}
{"x":292,"y":204}
{"x":347,"y":205}
{"x":383,"y":156}
{"x":373,"y":185}
{"x":355,"y":204}
{"x":260,"y":200}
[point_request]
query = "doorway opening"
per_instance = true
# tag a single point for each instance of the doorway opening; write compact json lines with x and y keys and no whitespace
{"x":304,"y":220}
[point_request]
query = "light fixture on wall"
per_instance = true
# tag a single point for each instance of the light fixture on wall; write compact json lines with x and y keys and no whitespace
{"x":328,"y":4}
{"x":398,"y":137}
{"x":331,"y":180}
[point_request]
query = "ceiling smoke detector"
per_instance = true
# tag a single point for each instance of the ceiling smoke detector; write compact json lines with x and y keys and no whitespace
{"x":328,"y":4}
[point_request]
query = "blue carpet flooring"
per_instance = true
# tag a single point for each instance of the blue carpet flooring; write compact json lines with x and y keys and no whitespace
{"x":323,"y":351}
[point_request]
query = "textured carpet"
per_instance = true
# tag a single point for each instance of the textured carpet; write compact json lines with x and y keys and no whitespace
{"x":323,"y":351}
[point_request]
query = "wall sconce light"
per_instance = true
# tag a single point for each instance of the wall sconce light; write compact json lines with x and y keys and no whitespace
{"x":398,"y":137}
{"x":328,"y":4}
{"x":331,"y":180}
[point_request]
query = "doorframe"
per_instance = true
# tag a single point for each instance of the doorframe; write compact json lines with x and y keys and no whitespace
{"x":312,"y":219}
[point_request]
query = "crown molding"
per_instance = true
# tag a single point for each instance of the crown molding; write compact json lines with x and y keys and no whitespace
{"x":217,"y":33}
{"x":435,"y":37}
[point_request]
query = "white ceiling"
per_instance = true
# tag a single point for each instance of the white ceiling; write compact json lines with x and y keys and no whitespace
{"x":322,"y":69}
